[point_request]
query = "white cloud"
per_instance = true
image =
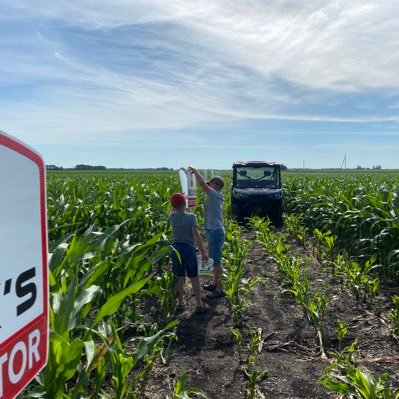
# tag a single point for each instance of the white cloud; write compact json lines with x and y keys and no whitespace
{"x":344,"y":45}
{"x":351,"y":47}
{"x":222,"y":61}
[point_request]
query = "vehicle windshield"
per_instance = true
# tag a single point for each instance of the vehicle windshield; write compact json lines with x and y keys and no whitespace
{"x":257,"y":177}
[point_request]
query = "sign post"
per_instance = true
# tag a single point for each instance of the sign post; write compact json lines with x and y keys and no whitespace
{"x":23,"y":266}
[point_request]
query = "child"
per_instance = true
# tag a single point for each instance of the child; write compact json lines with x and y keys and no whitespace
{"x":214,"y":229}
{"x":184,"y":234}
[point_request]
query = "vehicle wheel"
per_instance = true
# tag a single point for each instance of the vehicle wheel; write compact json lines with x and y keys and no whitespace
{"x":236,"y":211}
{"x":278,"y":216}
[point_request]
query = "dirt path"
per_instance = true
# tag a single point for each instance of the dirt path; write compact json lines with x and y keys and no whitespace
{"x":206,"y":347}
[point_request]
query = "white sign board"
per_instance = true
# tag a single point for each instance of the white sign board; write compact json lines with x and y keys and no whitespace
{"x":23,"y":266}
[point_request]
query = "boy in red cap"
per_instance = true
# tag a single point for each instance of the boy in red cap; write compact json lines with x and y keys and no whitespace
{"x":184,"y":235}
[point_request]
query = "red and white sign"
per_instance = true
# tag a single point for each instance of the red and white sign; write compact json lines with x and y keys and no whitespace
{"x":23,"y":266}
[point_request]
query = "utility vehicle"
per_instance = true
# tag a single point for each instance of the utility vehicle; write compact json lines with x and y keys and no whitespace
{"x":256,"y":189}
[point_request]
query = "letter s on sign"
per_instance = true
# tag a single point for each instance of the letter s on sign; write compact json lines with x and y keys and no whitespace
{"x":23,"y":289}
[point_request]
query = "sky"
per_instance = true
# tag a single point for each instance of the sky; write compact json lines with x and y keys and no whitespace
{"x":155,"y":83}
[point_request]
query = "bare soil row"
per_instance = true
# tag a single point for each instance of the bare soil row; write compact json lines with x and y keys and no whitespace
{"x":206,"y":349}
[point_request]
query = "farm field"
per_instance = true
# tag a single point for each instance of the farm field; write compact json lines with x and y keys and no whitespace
{"x":322,"y":291}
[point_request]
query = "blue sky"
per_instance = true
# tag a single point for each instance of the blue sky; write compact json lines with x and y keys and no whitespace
{"x":154,"y":83}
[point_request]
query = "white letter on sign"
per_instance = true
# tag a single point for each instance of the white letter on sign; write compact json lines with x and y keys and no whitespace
{"x":3,"y":359}
{"x":33,"y":351}
{"x":14,"y":378}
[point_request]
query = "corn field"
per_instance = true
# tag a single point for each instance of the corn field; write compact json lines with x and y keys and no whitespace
{"x":361,"y":210}
{"x":108,"y":242}
{"x":112,"y":297}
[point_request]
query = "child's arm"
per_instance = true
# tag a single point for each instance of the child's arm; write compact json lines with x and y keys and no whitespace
{"x":199,"y":178}
{"x":199,"y":242}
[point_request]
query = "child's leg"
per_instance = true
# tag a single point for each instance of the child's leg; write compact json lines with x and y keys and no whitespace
{"x":215,"y":244}
{"x":178,"y":270}
{"x":197,"y":289}
{"x":211,"y":250}
{"x":180,"y":289}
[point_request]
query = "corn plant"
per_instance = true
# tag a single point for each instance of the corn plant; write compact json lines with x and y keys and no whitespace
{"x":181,"y":391}
{"x":341,"y":331}
{"x":314,"y":306}
{"x":121,"y":363}
{"x":65,"y":349}
{"x":324,"y":245}
{"x":275,"y":244}
{"x":261,"y":227}
{"x":393,"y":263}
{"x":294,"y":226}
{"x":394,"y":313}
{"x":291,"y":269}
{"x":253,"y":375}
{"x":359,"y":385}
{"x":315,"y":311}
{"x":150,"y":348}
{"x":339,"y":266}
{"x":363,"y":286}
{"x":122,"y":360}
{"x":254,"y":378}
{"x":345,"y":378}
{"x":255,"y":345}
{"x":164,"y":287}
{"x":317,"y":307}
{"x":235,"y":253}
{"x":301,"y":290}
{"x":238,"y":339}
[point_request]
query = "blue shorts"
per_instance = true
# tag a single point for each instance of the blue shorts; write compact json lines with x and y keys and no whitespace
{"x":188,"y":257}
{"x":215,"y":244}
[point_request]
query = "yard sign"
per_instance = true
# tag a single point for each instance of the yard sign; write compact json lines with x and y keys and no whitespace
{"x":23,"y":266}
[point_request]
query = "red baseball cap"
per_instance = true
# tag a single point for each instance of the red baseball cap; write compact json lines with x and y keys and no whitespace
{"x":177,"y":200}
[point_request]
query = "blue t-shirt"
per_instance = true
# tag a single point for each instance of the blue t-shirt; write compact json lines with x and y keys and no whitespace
{"x":213,"y":210}
{"x":182,"y":224}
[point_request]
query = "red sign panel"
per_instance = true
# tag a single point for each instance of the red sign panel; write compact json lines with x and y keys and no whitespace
{"x":23,"y":266}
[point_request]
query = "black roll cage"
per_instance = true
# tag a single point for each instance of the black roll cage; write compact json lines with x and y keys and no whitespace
{"x":255,"y":164}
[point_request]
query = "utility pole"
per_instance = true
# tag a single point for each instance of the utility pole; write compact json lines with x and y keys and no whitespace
{"x":343,"y":164}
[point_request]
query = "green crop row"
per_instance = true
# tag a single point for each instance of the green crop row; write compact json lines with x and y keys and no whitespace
{"x":109,"y":243}
{"x":360,"y":210}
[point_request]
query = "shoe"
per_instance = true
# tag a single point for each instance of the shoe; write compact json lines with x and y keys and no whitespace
{"x":216,"y":294}
{"x":209,"y":287}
